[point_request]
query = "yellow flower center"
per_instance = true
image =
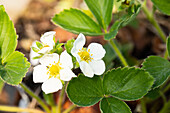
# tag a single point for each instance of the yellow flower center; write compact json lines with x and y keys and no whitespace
{"x":54,"y":70}
{"x":85,"y":55}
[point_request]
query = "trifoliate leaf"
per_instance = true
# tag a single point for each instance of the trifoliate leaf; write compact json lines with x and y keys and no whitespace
{"x":102,"y":10}
{"x":77,"y":22}
{"x":162,"y":5}
{"x":13,"y":64}
{"x":8,"y":37}
{"x":84,"y":91}
{"x":14,"y":68}
{"x":127,"y":83}
{"x":113,"y":105}
{"x":158,"y":68}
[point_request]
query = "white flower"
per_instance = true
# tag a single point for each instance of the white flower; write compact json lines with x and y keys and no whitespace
{"x":47,"y":45}
{"x":34,"y":54}
{"x":48,"y":41}
{"x":53,"y":71}
{"x":90,"y":59}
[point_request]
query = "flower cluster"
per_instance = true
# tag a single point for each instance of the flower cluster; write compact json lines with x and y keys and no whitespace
{"x":54,"y":69}
{"x":46,"y":45}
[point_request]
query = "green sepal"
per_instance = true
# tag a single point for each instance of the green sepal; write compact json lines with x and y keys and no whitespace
{"x":39,"y":45}
{"x":69,"y":45}
{"x":35,"y":49}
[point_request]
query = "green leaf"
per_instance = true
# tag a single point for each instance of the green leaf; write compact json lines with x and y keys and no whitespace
{"x":114,"y":30}
{"x":123,"y":21}
{"x":8,"y":37}
{"x":168,"y":45}
{"x":113,"y":105}
{"x":84,"y":91}
{"x":14,"y":68}
{"x":157,"y":67}
{"x":102,"y":10}
{"x":153,"y":94}
{"x":69,"y":45}
{"x":132,"y":13}
{"x":13,"y":64}
{"x":1,"y":85}
{"x":162,"y":5}
{"x":39,"y":45}
{"x":127,"y":83}
{"x":77,"y":22}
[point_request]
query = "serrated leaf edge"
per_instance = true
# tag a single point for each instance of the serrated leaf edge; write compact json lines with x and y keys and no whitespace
{"x":136,"y":68}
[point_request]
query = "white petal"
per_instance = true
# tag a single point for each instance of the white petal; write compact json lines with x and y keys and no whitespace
{"x":74,"y":51}
{"x":48,"y":38}
{"x":51,"y":85}
{"x":40,"y":74}
{"x":80,"y":41}
{"x":97,"y":50}
{"x":48,"y":59}
{"x":45,"y":49}
{"x":97,"y":66}
{"x":66,"y":60}
{"x":86,"y":69}
{"x":66,"y":74}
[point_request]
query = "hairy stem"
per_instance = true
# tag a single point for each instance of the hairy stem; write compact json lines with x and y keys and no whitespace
{"x":17,"y":109}
{"x":45,"y":107}
{"x":119,"y":54}
{"x":165,"y":108}
{"x":59,"y":107}
{"x":70,"y":109}
{"x":152,"y":20}
{"x":143,"y":104}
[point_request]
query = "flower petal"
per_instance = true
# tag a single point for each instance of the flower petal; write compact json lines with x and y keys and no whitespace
{"x":48,"y":59}
{"x":66,"y":74}
{"x":97,"y":66}
{"x":97,"y":51}
{"x":51,"y":85}
{"x":86,"y":69}
{"x":40,"y":74}
{"x":80,"y":41}
{"x":74,"y":51}
{"x":66,"y":60}
{"x":48,"y":38}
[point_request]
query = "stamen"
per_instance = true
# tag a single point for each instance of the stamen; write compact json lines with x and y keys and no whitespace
{"x":85,"y":55}
{"x":54,"y":70}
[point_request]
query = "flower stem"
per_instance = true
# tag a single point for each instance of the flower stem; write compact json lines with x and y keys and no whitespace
{"x":45,"y":107}
{"x":17,"y":109}
{"x":151,"y":18}
{"x":70,"y":108}
{"x":143,"y":104}
{"x":165,"y":108}
{"x":59,"y":107}
{"x":123,"y":60}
